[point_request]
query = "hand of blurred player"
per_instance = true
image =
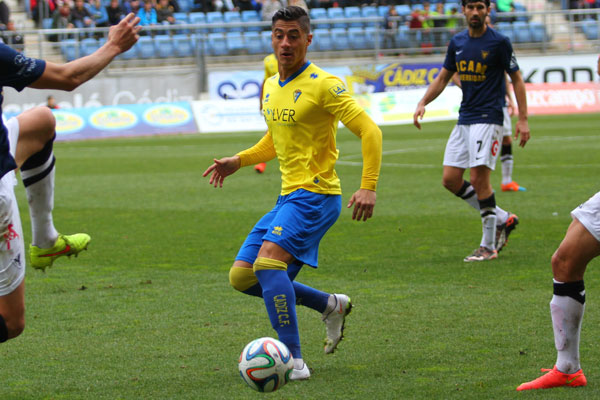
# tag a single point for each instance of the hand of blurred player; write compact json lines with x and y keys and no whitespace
{"x":418,"y":115}
{"x":221,"y":169}
{"x":522,"y":129}
{"x":364,"y":203}
{"x":125,"y":33}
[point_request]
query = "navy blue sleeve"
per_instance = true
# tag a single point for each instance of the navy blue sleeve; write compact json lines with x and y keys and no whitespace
{"x":18,"y":71}
{"x":507,"y":56}
{"x":450,"y":61}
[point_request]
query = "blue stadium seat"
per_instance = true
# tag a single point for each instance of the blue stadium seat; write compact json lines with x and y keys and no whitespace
{"x":359,"y":38}
{"x":183,"y":45}
{"x":369,"y":12}
{"x":251,"y":16}
{"x":538,"y":32}
{"x":353,"y":12}
{"x":217,"y":44}
{"x":185,"y":5}
{"x":590,"y":29}
{"x":130,"y":54}
{"x":70,"y":49}
{"x":520,"y":8}
{"x":88,"y":46}
{"x":319,"y":14}
{"x":47,"y":23}
{"x":521,"y":32}
{"x":265,"y":37}
{"x":181,"y":16}
{"x":336,"y":13}
{"x":372,"y":37}
{"x":405,"y":39}
{"x":234,"y":42}
{"x":403,"y":10}
{"x":506,"y":29}
{"x":145,"y":47}
{"x":340,"y":38}
{"x":323,"y":39}
{"x":164,"y":46}
{"x":198,"y":18}
{"x":233,"y":17}
{"x":382,"y":11}
{"x":215,"y":18}
{"x":253,"y":42}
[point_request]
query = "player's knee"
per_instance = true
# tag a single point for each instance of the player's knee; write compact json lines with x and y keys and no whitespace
{"x":241,"y":278}
{"x":47,"y":123}
{"x":451,"y":184}
{"x":11,"y":328}
{"x":562,"y":266}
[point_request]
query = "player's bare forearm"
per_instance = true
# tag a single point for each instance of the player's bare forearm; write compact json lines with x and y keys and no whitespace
{"x":433,"y":91}
{"x":364,"y":203}
{"x":69,"y":76}
{"x":522,"y":132}
{"x":221,"y":169}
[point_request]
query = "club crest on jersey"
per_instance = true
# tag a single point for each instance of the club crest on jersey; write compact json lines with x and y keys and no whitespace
{"x":484,"y":54}
{"x":297,"y":94}
{"x":338,"y":89}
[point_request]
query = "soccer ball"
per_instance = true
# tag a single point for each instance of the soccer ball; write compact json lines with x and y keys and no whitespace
{"x":265,"y":364}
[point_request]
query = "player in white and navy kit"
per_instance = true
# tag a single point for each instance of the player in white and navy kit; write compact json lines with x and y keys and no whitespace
{"x":480,"y":56}
{"x":26,"y":142}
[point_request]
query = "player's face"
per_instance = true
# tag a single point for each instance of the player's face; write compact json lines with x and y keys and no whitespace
{"x":290,"y":43}
{"x":476,"y":14}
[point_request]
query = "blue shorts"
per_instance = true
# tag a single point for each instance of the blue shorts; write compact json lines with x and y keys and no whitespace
{"x":296,"y":223}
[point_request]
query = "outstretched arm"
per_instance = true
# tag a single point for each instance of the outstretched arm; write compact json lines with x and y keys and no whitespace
{"x":522,"y":126}
{"x":433,"y":91}
{"x":121,"y":37}
{"x":370,"y":134}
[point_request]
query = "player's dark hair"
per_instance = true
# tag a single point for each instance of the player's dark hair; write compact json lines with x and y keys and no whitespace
{"x":293,"y":13}
{"x":465,"y":2}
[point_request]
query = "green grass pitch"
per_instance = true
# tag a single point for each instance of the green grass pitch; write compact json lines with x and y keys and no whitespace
{"x":147,"y":312}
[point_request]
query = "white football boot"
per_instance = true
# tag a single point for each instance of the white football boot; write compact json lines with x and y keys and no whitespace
{"x":300,"y":371}
{"x":334,"y":321}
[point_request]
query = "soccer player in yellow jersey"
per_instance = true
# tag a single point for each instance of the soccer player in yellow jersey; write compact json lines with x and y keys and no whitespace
{"x":302,"y":105}
{"x":270,"y":63}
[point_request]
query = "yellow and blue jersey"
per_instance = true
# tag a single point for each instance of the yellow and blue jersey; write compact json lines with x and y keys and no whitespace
{"x":481,"y":63}
{"x":302,"y":114}
{"x":271,"y":66}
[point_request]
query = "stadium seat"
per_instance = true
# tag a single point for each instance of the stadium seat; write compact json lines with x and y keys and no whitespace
{"x":353,"y":12}
{"x":358,"y":38}
{"x":323,"y":39}
{"x":520,"y":8}
{"x":198,"y":18}
{"x":521,"y":32}
{"x":251,"y":16}
{"x":253,"y":42}
{"x":185,"y":5}
{"x":88,"y":46}
{"x":234,"y":42}
{"x":217,"y":44}
{"x":340,"y":38}
{"x":145,"y":47}
{"x":265,"y":38}
{"x":215,"y":19}
{"x":369,"y":12}
{"x":70,"y":49}
{"x":164,"y":46}
{"x":233,"y":17}
{"x":538,"y":32}
{"x":506,"y":29}
{"x":130,"y":54}
{"x":590,"y":29}
{"x":334,"y":14}
{"x":47,"y":23}
{"x":405,"y":38}
{"x":372,"y":37}
{"x":403,"y":10}
{"x":382,"y":11}
{"x":183,"y":45}
{"x":319,"y":14}
{"x":181,"y":17}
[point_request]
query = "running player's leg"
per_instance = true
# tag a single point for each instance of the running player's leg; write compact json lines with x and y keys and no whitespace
{"x":580,"y":245}
{"x":506,"y":156}
{"x":35,"y":157}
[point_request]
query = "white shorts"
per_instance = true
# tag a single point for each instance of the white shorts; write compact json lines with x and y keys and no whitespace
{"x":589,"y":215}
{"x":473,"y":145}
{"x":507,"y":124}
{"x":12,"y":247}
